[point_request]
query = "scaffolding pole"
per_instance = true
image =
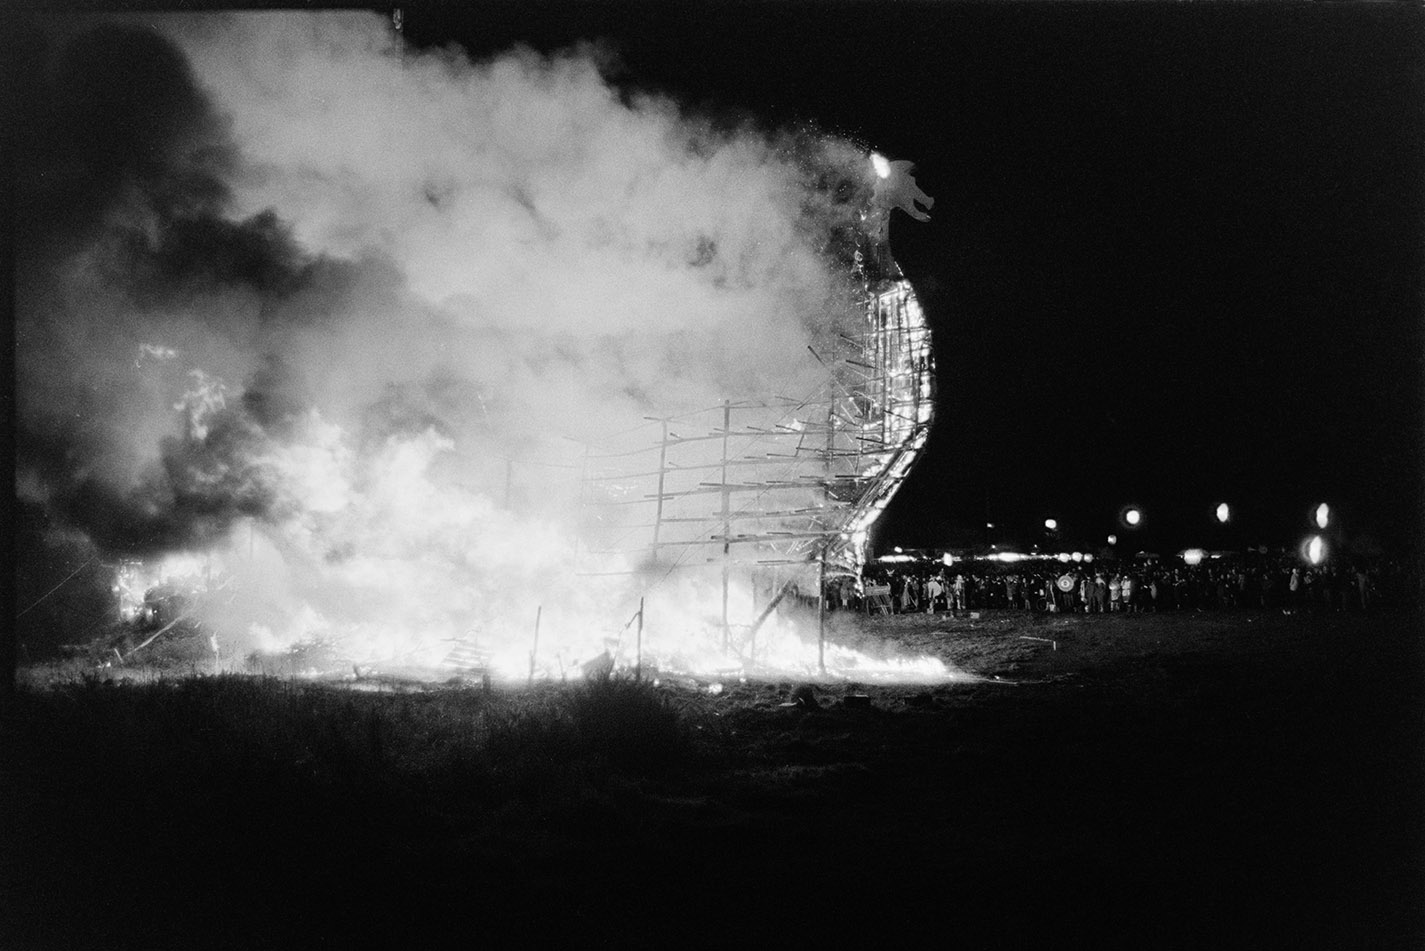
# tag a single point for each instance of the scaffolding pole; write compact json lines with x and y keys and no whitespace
{"x":662,"y":472}
{"x":821,"y":613}
{"x":638,"y":657}
{"x":766,"y":612}
{"x":726,"y":522}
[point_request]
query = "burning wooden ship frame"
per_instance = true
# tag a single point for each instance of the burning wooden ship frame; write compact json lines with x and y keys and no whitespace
{"x":776,"y":496}
{"x":715,"y":517}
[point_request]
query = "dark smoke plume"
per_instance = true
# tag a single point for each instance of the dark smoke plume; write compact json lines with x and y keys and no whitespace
{"x":124,"y":206}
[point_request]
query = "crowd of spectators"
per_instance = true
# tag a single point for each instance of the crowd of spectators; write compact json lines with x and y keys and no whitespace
{"x":1124,"y":587}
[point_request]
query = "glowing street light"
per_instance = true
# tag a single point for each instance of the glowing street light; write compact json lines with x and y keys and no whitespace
{"x":1051,"y":524}
{"x":1113,"y":539}
{"x":1323,"y":515}
{"x":1315,"y":550}
{"x":1133,"y":516}
{"x":1193,"y":556}
{"x":1224,"y":512}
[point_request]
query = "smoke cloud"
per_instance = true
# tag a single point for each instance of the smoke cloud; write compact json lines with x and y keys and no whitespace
{"x":266,"y":255}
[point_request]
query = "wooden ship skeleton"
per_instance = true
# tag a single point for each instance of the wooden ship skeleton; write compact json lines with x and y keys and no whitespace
{"x":779,"y":493}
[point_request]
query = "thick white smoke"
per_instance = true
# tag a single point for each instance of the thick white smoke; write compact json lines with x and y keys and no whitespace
{"x":584,"y":257}
{"x":319,"y":257}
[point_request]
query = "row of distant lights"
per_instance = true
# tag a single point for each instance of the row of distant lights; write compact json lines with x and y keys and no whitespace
{"x":1314,"y":548}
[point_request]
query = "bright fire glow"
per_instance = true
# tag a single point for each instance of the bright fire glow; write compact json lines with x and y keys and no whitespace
{"x":506,"y":259}
{"x":135,"y":579}
{"x":390,"y":565}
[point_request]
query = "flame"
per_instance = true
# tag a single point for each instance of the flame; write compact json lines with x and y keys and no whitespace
{"x":529,"y":257}
{"x":135,"y":579}
{"x":390,"y":560}
{"x":205,"y":397}
{"x":393,"y":553}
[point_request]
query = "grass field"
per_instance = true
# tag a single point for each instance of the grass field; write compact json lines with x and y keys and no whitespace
{"x":1203,"y":780}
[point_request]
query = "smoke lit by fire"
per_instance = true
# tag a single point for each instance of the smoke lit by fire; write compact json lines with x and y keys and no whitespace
{"x":321,"y":328}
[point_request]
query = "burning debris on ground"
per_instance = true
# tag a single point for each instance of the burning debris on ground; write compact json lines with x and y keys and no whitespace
{"x":683,"y":792}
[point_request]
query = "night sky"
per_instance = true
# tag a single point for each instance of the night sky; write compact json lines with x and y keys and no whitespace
{"x":1174,"y":258}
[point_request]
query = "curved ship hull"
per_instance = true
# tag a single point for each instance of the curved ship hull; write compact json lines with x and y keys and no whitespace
{"x":772,"y":496}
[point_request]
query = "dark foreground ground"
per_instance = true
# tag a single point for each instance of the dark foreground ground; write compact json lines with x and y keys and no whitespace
{"x":1229,"y":780}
